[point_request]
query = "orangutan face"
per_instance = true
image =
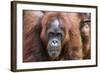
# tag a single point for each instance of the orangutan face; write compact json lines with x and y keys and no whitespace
{"x":85,"y":30}
{"x":55,"y":36}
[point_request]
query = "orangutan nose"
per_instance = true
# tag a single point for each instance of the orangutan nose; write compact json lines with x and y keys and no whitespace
{"x":55,"y":42}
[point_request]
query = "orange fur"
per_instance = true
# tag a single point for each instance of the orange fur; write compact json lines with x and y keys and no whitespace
{"x":35,"y":26}
{"x":70,"y":22}
{"x":32,"y":48}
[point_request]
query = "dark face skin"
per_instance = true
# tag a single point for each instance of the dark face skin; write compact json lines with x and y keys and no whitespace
{"x":55,"y":36}
{"x":85,"y":26}
{"x":85,"y":30}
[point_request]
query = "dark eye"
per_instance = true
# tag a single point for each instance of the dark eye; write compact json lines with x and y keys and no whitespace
{"x":59,"y":34}
{"x":50,"y":34}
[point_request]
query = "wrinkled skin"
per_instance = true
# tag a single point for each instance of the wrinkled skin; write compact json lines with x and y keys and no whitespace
{"x":55,"y":36}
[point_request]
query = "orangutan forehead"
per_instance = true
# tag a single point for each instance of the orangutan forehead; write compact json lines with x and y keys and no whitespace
{"x":54,"y":24}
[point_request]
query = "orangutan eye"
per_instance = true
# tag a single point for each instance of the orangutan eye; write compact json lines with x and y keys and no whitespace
{"x":59,"y":35}
{"x":51,"y":34}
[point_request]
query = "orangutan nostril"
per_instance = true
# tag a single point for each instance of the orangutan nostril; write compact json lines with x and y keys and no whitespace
{"x":54,"y":43}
